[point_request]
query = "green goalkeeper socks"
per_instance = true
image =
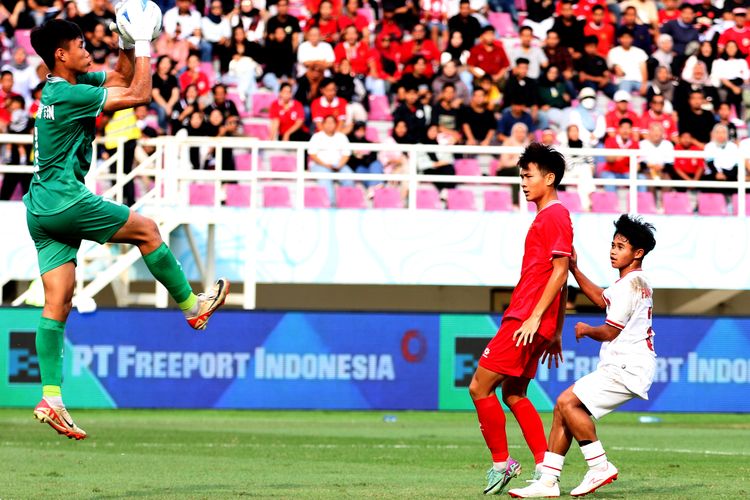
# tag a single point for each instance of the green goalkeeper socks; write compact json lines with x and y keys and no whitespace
{"x":49,"y":350}
{"x":169,"y":273}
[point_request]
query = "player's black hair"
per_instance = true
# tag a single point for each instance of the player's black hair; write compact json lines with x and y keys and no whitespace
{"x":547,"y":159}
{"x":638,"y":232}
{"x":53,"y":35}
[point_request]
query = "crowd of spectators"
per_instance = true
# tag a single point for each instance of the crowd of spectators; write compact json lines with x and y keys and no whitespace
{"x":658,"y":76}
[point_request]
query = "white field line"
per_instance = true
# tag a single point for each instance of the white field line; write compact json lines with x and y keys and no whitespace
{"x":418,"y":447}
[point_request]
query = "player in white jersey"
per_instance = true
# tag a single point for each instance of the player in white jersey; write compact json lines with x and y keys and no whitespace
{"x":626,"y":367}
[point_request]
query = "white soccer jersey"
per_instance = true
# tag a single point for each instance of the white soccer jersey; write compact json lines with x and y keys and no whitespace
{"x":629,"y":308}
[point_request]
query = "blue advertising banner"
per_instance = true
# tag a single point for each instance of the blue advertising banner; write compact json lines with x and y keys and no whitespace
{"x":151,"y":359}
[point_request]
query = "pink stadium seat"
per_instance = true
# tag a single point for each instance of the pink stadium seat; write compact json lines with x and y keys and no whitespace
{"x":372,"y":134}
{"x":521,"y":5}
{"x":207,"y":68}
{"x":502,"y":22}
{"x":350,"y":197}
{"x":735,"y":199}
{"x":367,"y":13}
{"x":238,"y":195}
{"x":316,"y":197}
{"x":202,"y":194}
{"x":461,"y":199}
{"x":677,"y":203}
{"x":494,"y":167}
{"x":243,"y":161}
{"x":380,"y":108}
{"x":571,"y":200}
{"x":646,"y":203}
{"x":285,"y":163}
{"x":23,"y":40}
{"x":387,"y":197}
{"x":275,"y":196}
{"x":712,"y":204}
{"x":257,"y":130}
{"x":498,"y":201}
{"x":237,"y":100}
{"x":262,"y":103}
{"x":429,"y":199}
{"x":467,"y":166}
{"x":605,"y":202}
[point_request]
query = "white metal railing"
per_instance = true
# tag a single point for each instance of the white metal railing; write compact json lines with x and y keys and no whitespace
{"x":170,"y":169}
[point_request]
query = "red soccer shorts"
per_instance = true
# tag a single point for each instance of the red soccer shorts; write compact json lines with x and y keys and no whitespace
{"x":502,"y":356}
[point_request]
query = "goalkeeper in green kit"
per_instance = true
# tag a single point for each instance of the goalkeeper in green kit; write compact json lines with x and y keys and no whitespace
{"x":61,"y":211}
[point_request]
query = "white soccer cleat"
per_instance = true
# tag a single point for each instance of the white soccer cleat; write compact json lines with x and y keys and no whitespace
{"x":595,"y":479}
{"x":537,"y":489}
{"x":59,"y":419}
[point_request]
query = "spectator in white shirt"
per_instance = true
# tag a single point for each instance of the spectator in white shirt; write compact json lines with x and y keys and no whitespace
{"x":329,"y":151}
{"x":628,"y":63}
{"x":658,"y":153}
{"x":250,"y":18}
{"x":722,"y":156}
{"x":525,"y":49}
{"x":24,"y":74}
{"x":216,"y":29}
{"x":729,"y":73}
{"x":314,"y":52}
{"x":190,"y":22}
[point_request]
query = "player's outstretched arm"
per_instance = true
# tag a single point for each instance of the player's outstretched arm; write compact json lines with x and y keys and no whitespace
{"x":135,"y":94}
{"x":558,"y":278}
{"x":123,"y":72}
{"x":589,"y":289}
{"x":601,"y":333}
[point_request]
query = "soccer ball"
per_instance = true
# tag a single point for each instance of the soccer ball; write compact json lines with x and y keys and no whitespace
{"x":131,"y":11}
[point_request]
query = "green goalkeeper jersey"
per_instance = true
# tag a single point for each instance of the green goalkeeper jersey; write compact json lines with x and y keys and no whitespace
{"x":64,"y":130}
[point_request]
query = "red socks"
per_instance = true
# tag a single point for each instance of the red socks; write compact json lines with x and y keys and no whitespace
{"x":532,"y":428}
{"x":492,"y":424}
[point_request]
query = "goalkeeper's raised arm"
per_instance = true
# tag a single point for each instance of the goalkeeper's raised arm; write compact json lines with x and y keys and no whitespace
{"x":129,"y":84}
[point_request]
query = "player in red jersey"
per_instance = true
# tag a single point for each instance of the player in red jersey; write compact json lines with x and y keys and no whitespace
{"x":532,"y":324}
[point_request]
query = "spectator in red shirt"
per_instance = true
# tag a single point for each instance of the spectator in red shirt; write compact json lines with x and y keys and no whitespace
{"x":655,"y":114}
{"x":618,"y":167}
{"x":386,"y":56}
{"x":325,"y":22}
{"x":688,"y":169}
{"x":599,"y":27}
{"x":351,"y":17}
{"x":622,"y":110}
{"x":355,"y":49}
{"x":739,"y":33}
{"x":488,"y":57}
{"x":585,"y":8}
{"x":389,"y":26}
{"x":419,"y":45}
{"x":669,"y":12}
{"x":287,"y":117}
{"x":193,"y":75}
{"x":329,"y":104}
{"x":314,"y":6}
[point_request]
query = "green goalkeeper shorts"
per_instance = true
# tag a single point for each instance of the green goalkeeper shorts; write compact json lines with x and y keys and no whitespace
{"x":57,"y":237}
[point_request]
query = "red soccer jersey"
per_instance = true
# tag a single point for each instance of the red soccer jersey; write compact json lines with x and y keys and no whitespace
{"x":621,"y":165}
{"x":428,"y":50}
{"x":359,"y":21}
{"x":314,"y":6}
{"x":328,"y":29}
{"x":613,"y":121}
{"x":321,"y":107}
{"x":492,"y":61}
{"x":550,"y":235}
{"x":287,"y":115}
{"x":606,"y":35}
{"x":583,"y":8}
{"x":741,"y":37}
{"x":688,"y":165}
{"x":199,"y":79}
{"x":666,"y":120}
{"x":359,"y":56}
{"x":665,"y":17}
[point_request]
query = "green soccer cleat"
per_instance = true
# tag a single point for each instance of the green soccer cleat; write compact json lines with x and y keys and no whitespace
{"x":497,"y":481}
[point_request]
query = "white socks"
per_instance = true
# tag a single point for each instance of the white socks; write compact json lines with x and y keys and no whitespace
{"x":594,"y":455}
{"x":551,"y":468}
{"x":54,"y":401}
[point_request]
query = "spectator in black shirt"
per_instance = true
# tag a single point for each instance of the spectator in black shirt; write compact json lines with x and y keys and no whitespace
{"x":221,"y":103}
{"x":103,"y":13}
{"x":641,"y":34}
{"x":165,"y":90}
{"x":520,"y":88}
{"x":415,"y":79}
{"x":412,"y":112}
{"x":540,"y":16}
{"x":281,"y":64}
{"x":592,"y":69}
{"x":466,"y":24}
{"x":97,"y":46}
{"x":289,"y":24}
{"x":696,"y":120}
{"x":445,"y":114}
{"x":477,"y":122}
{"x":569,"y":28}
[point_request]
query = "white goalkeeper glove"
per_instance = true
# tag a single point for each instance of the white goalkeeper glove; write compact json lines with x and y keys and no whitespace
{"x":139,"y":21}
{"x":123,"y":39}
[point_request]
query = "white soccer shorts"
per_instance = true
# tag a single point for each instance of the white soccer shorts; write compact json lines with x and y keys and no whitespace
{"x":602,"y":392}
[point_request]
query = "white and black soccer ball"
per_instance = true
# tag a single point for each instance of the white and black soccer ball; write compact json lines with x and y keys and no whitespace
{"x":131,"y":10}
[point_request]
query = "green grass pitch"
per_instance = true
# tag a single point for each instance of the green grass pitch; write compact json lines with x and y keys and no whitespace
{"x":264,"y":454}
